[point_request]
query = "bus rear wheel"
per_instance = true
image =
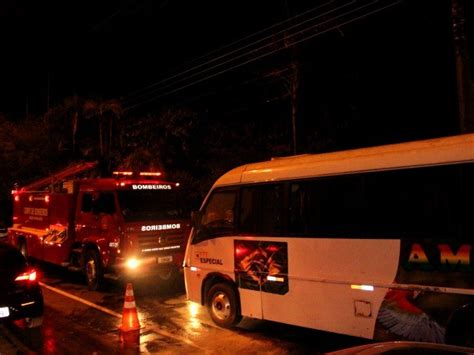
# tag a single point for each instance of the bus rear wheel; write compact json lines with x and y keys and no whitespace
{"x":223,"y":306}
{"x":462,"y":336}
{"x":460,"y":330}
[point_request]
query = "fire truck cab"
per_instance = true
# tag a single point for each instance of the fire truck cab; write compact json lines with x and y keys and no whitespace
{"x":123,"y":227}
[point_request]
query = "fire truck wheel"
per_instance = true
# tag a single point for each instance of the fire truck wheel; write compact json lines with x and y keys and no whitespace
{"x":22,"y":248}
{"x":223,"y":305}
{"x":93,"y":270}
{"x":166,"y":274}
{"x":33,"y":322}
{"x":34,"y":338}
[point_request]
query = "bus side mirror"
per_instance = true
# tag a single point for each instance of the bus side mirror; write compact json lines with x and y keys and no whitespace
{"x":196,"y":217}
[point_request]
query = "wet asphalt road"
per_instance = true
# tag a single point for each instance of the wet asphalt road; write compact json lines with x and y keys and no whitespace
{"x":169,"y":324}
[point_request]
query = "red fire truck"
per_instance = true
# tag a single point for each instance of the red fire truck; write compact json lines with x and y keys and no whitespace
{"x":125,"y":226}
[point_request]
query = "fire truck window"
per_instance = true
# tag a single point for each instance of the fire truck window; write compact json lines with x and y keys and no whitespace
{"x":139,"y":205}
{"x":86,"y":205}
{"x":105,"y":203}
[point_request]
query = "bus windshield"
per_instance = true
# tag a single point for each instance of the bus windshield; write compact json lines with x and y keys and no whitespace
{"x":150,"y":205}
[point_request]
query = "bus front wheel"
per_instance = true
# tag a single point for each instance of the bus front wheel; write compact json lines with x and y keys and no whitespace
{"x":223,"y":305}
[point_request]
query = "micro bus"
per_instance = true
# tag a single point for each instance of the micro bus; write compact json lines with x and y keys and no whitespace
{"x":374,"y":242}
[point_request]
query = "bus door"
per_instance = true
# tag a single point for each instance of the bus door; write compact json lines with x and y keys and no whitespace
{"x":261,"y":255}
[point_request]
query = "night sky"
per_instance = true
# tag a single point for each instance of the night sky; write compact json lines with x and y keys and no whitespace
{"x":370,"y":71}
{"x":389,"y":73}
{"x":112,"y":48}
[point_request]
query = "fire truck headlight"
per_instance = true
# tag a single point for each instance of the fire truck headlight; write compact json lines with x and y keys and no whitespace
{"x":132,"y":263}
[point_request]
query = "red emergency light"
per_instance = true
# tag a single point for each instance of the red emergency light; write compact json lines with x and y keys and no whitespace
{"x":123,"y":173}
{"x":150,"y":174}
{"x":131,"y":173}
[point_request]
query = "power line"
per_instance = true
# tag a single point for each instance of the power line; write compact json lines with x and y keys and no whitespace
{"x":270,"y":37}
{"x":253,"y":52}
{"x":130,"y":11}
{"x":234,"y":43}
{"x":286,"y":46}
{"x":268,"y":77}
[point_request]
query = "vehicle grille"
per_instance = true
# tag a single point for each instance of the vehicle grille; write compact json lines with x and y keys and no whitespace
{"x":158,"y":243}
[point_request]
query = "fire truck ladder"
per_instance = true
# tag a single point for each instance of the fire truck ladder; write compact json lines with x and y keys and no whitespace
{"x":63,"y":174}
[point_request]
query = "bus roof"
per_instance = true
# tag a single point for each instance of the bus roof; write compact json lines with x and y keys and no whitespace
{"x":393,"y":156}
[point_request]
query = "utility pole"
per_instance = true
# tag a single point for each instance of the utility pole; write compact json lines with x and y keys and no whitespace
{"x":292,"y":84}
{"x":48,"y":93}
{"x":27,"y":107}
{"x":461,"y":66}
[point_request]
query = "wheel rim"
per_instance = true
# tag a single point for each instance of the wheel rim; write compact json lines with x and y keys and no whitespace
{"x":23,"y":249}
{"x":91,"y":271}
{"x":221,"y":307}
{"x":165,"y":274}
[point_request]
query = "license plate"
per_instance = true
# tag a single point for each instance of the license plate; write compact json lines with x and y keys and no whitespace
{"x":165,"y":259}
{"x":4,"y":312}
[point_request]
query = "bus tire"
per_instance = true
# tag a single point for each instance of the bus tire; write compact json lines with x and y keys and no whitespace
{"x":93,"y":270}
{"x":223,"y":305}
{"x":460,"y":329}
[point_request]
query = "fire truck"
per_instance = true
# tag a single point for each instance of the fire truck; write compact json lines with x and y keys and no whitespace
{"x":122,"y":227}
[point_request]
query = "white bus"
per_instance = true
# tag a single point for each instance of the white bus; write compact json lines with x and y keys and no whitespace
{"x":374,"y":242}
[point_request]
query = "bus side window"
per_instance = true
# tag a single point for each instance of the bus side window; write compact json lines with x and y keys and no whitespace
{"x":272,"y":217}
{"x":261,"y":210}
{"x":328,"y":206}
{"x":465,"y":185}
{"x":249,"y":211}
{"x":297,"y":208}
{"x":310,"y":207}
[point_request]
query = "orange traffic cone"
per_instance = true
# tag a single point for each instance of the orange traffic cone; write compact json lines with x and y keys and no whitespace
{"x":130,"y":328}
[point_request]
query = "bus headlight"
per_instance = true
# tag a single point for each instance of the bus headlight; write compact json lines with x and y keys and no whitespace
{"x":132,"y":263}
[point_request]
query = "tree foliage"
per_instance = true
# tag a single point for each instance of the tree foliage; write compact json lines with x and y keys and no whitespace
{"x":187,"y":147}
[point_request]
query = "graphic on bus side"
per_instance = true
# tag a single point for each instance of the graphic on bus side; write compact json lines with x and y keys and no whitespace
{"x":262,"y":266}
